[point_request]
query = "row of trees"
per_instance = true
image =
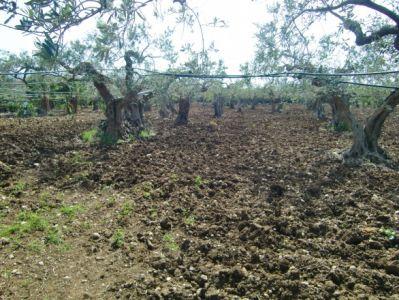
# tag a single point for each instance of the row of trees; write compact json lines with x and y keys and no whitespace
{"x":287,"y":43}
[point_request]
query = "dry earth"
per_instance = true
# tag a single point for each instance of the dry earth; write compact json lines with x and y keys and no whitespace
{"x":253,"y":206}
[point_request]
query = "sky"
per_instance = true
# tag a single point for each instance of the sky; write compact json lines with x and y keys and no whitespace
{"x":236,"y":42}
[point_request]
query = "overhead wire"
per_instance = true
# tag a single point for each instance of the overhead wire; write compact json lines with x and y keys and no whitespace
{"x":296,"y":75}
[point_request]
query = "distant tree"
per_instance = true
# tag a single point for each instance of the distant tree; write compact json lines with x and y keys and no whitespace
{"x":122,"y":34}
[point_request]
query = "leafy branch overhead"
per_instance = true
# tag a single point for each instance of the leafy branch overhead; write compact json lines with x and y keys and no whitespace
{"x":345,"y":12}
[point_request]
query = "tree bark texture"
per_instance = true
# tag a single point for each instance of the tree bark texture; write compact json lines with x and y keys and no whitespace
{"x":365,"y":138}
{"x":218,"y":105}
{"x":184,"y":109}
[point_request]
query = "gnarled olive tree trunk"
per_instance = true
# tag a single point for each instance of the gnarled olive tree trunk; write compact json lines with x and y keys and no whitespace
{"x":44,"y":106}
{"x":123,"y":115}
{"x":365,"y":138}
{"x":277,"y":106}
{"x":340,"y":116}
{"x":318,"y":109}
{"x":218,"y":105}
{"x":184,"y":109}
{"x":72,"y":106}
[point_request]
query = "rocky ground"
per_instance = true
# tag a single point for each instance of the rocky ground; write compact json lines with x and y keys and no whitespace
{"x":253,"y":206}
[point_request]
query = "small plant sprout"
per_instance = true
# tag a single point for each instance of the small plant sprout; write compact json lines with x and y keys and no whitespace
{"x":153,"y":213}
{"x":188,"y":218}
{"x":111,"y":201}
{"x":118,"y":239}
{"x":388,"y":232}
{"x":126,"y":210}
{"x":170,"y":243}
{"x":198,"y":181}
{"x":174,"y":177}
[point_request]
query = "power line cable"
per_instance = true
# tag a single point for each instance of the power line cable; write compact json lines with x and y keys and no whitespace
{"x":207,"y":76}
{"x":369,"y":85}
{"x":296,"y":75}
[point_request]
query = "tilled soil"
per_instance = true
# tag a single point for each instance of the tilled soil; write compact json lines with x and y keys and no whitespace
{"x":252,"y":206}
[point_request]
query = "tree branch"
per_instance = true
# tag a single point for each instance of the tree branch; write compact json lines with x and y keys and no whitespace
{"x":367,"y":3}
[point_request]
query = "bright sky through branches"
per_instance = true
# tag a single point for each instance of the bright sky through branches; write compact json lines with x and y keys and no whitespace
{"x":236,"y":42}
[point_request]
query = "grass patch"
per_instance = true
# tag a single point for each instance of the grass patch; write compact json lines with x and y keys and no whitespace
{"x":89,"y":136}
{"x":54,"y":237}
{"x":28,"y":222}
{"x":35,"y":246}
{"x":18,"y":188}
{"x":198,"y":181}
{"x":71,"y":210}
{"x":146,"y":134}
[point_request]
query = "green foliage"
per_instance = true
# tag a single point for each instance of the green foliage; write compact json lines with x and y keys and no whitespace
{"x":71,"y":211}
{"x":111,"y":201}
{"x":390,"y":233}
{"x":144,"y":189}
{"x":170,"y":243}
{"x":339,"y":127}
{"x":342,"y":127}
{"x":35,"y":246}
{"x":118,"y":239}
{"x":26,"y":109}
{"x":198,"y":181}
{"x":54,"y":237}
{"x":189,"y":220}
{"x":88,"y":136}
{"x":18,"y":188}
{"x":28,"y":222}
{"x":127,"y":209}
{"x":174,"y":177}
{"x":153,"y":213}
{"x":147,"y":133}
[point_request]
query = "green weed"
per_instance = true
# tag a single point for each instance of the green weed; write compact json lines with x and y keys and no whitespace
{"x":35,"y":246}
{"x":44,"y":200}
{"x":54,"y":237}
{"x":170,"y":242}
{"x":198,"y":181}
{"x":71,"y":210}
{"x":118,"y":239}
{"x":89,"y":136}
{"x":18,"y":188}
{"x":31,"y":222}
{"x":147,"y":133}
{"x":153,"y":213}
{"x":28,"y":222}
{"x":189,"y":220}
{"x":174,"y":177}
{"x":111,"y":201}
{"x":390,"y":233}
{"x":126,"y":210}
